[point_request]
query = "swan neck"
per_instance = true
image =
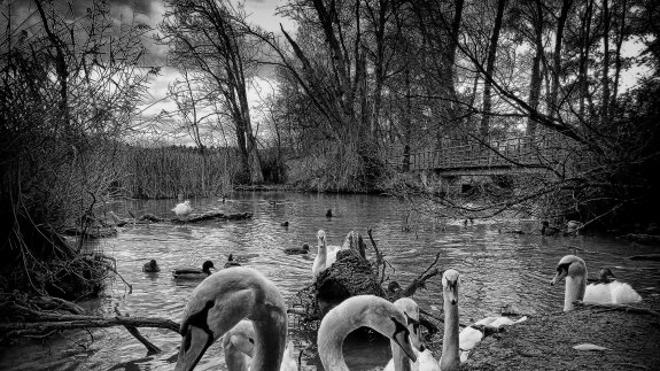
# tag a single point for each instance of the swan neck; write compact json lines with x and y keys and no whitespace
{"x":401,"y":360}
{"x":334,"y":329}
{"x":270,"y":341}
{"x":449,"y":360}
{"x":575,"y":288}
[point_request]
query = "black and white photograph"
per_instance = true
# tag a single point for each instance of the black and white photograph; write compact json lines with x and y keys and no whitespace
{"x":329,"y":185}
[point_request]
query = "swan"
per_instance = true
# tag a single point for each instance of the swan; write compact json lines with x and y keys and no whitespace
{"x":194,"y":273}
{"x":355,"y":312}
{"x":183,"y":209}
{"x":574,"y":269}
{"x":220,"y":302}
{"x":325,"y":256}
{"x":425,"y":360}
{"x":151,"y":266}
{"x":238,"y":344}
{"x":472,"y":335}
{"x":449,"y":361}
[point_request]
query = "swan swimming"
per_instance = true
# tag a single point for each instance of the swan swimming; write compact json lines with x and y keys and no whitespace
{"x":326,"y":254}
{"x":574,"y":269}
{"x":238,"y":344}
{"x":183,"y":209}
{"x":220,"y":302}
{"x":355,"y":312}
{"x":425,"y":360}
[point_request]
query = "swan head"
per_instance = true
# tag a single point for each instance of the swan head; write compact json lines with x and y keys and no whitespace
{"x":571,"y":266}
{"x":320,"y":235}
{"x":450,"y":285}
{"x":410,"y":310}
{"x":241,"y":337}
{"x":391,"y":322}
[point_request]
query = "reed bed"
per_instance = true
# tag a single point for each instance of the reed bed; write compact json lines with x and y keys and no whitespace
{"x":165,"y":172}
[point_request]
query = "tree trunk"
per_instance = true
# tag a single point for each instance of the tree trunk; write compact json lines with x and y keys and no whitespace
{"x":535,"y":83}
{"x":553,"y":108}
{"x":490,"y":68}
{"x":407,"y":119}
{"x":584,"y":57}
{"x":619,"y":42}
{"x":606,"y":63}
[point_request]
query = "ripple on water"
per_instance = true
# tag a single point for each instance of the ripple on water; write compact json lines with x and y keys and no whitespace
{"x":496,"y":269}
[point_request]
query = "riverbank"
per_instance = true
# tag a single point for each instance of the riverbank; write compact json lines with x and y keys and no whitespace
{"x":546,"y":343}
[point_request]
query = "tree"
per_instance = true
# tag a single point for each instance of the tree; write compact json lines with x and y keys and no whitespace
{"x":211,"y":37}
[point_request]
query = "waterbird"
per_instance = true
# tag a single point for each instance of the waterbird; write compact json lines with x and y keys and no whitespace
{"x":194,"y":273}
{"x":183,"y":209}
{"x":328,"y":213}
{"x":355,"y":312}
{"x":238,"y":344}
{"x":151,"y":266}
{"x":297,"y":250}
{"x":547,"y":229}
{"x":574,"y":270}
{"x":285,"y":224}
{"x":326,"y":254}
{"x":220,"y":302}
{"x":231,"y":263}
{"x":605,"y":275}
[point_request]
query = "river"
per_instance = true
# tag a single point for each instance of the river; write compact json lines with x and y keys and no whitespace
{"x":497,"y":268}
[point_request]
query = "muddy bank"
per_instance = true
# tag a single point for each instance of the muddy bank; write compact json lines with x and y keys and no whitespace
{"x":546,"y":343}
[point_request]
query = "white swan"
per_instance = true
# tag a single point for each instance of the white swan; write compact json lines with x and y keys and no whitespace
{"x":450,"y":359}
{"x":473,"y":334}
{"x":355,"y":312}
{"x":574,"y":269}
{"x":425,"y":360}
{"x":220,"y":302}
{"x":238,"y":344}
{"x":183,"y":209}
{"x":326,"y":254}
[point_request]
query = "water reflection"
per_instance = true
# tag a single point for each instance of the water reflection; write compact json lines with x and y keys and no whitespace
{"x":496,"y":269}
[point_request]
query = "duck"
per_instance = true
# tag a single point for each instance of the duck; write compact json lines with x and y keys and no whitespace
{"x":328,"y":214}
{"x":220,"y":302}
{"x":238,"y":344}
{"x":360,"y":311}
{"x":231,"y":263}
{"x":326,"y":255}
{"x":425,"y":360}
{"x":194,"y":273}
{"x":297,"y":250}
{"x":151,"y":266}
{"x":183,"y":209}
{"x":605,"y":275}
{"x":285,"y":224}
{"x":574,"y":270}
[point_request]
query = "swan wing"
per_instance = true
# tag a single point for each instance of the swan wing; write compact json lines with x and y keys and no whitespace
{"x":615,"y":292}
{"x":468,"y":338}
{"x":624,"y":293}
{"x":426,"y":362}
{"x":288,"y":360}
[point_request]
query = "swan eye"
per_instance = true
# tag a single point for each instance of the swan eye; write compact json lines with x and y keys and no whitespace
{"x":251,"y":340}
{"x":562,"y":267}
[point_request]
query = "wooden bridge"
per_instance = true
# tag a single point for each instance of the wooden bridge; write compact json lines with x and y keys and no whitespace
{"x":511,"y":155}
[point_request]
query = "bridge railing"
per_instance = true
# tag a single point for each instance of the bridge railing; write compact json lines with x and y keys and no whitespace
{"x":542,"y":150}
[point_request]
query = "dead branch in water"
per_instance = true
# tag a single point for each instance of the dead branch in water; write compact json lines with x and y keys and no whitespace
{"x":420,"y":281}
{"x":151,"y":348}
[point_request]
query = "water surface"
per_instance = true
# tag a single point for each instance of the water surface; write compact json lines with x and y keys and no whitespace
{"x":496,"y":268}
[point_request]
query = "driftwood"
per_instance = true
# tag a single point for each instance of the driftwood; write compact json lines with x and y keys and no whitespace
{"x":206,"y":217}
{"x":29,"y":319}
{"x":354,"y":274}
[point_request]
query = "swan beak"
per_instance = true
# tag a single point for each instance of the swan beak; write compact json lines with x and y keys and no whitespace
{"x":401,"y":338}
{"x":558,"y":277}
{"x":193,"y":346}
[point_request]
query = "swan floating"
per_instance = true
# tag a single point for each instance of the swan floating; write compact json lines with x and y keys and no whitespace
{"x":399,"y":361}
{"x":231,"y":263}
{"x":238,"y":344}
{"x":355,"y":312}
{"x":297,"y":250}
{"x":194,"y":273}
{"x":220,"y":302}
{"x":183,"y":209}
{"x":574,"y":269}
{"x":151,"y":266}
{"x":472,"y":335}
{"x":326,"y":254}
